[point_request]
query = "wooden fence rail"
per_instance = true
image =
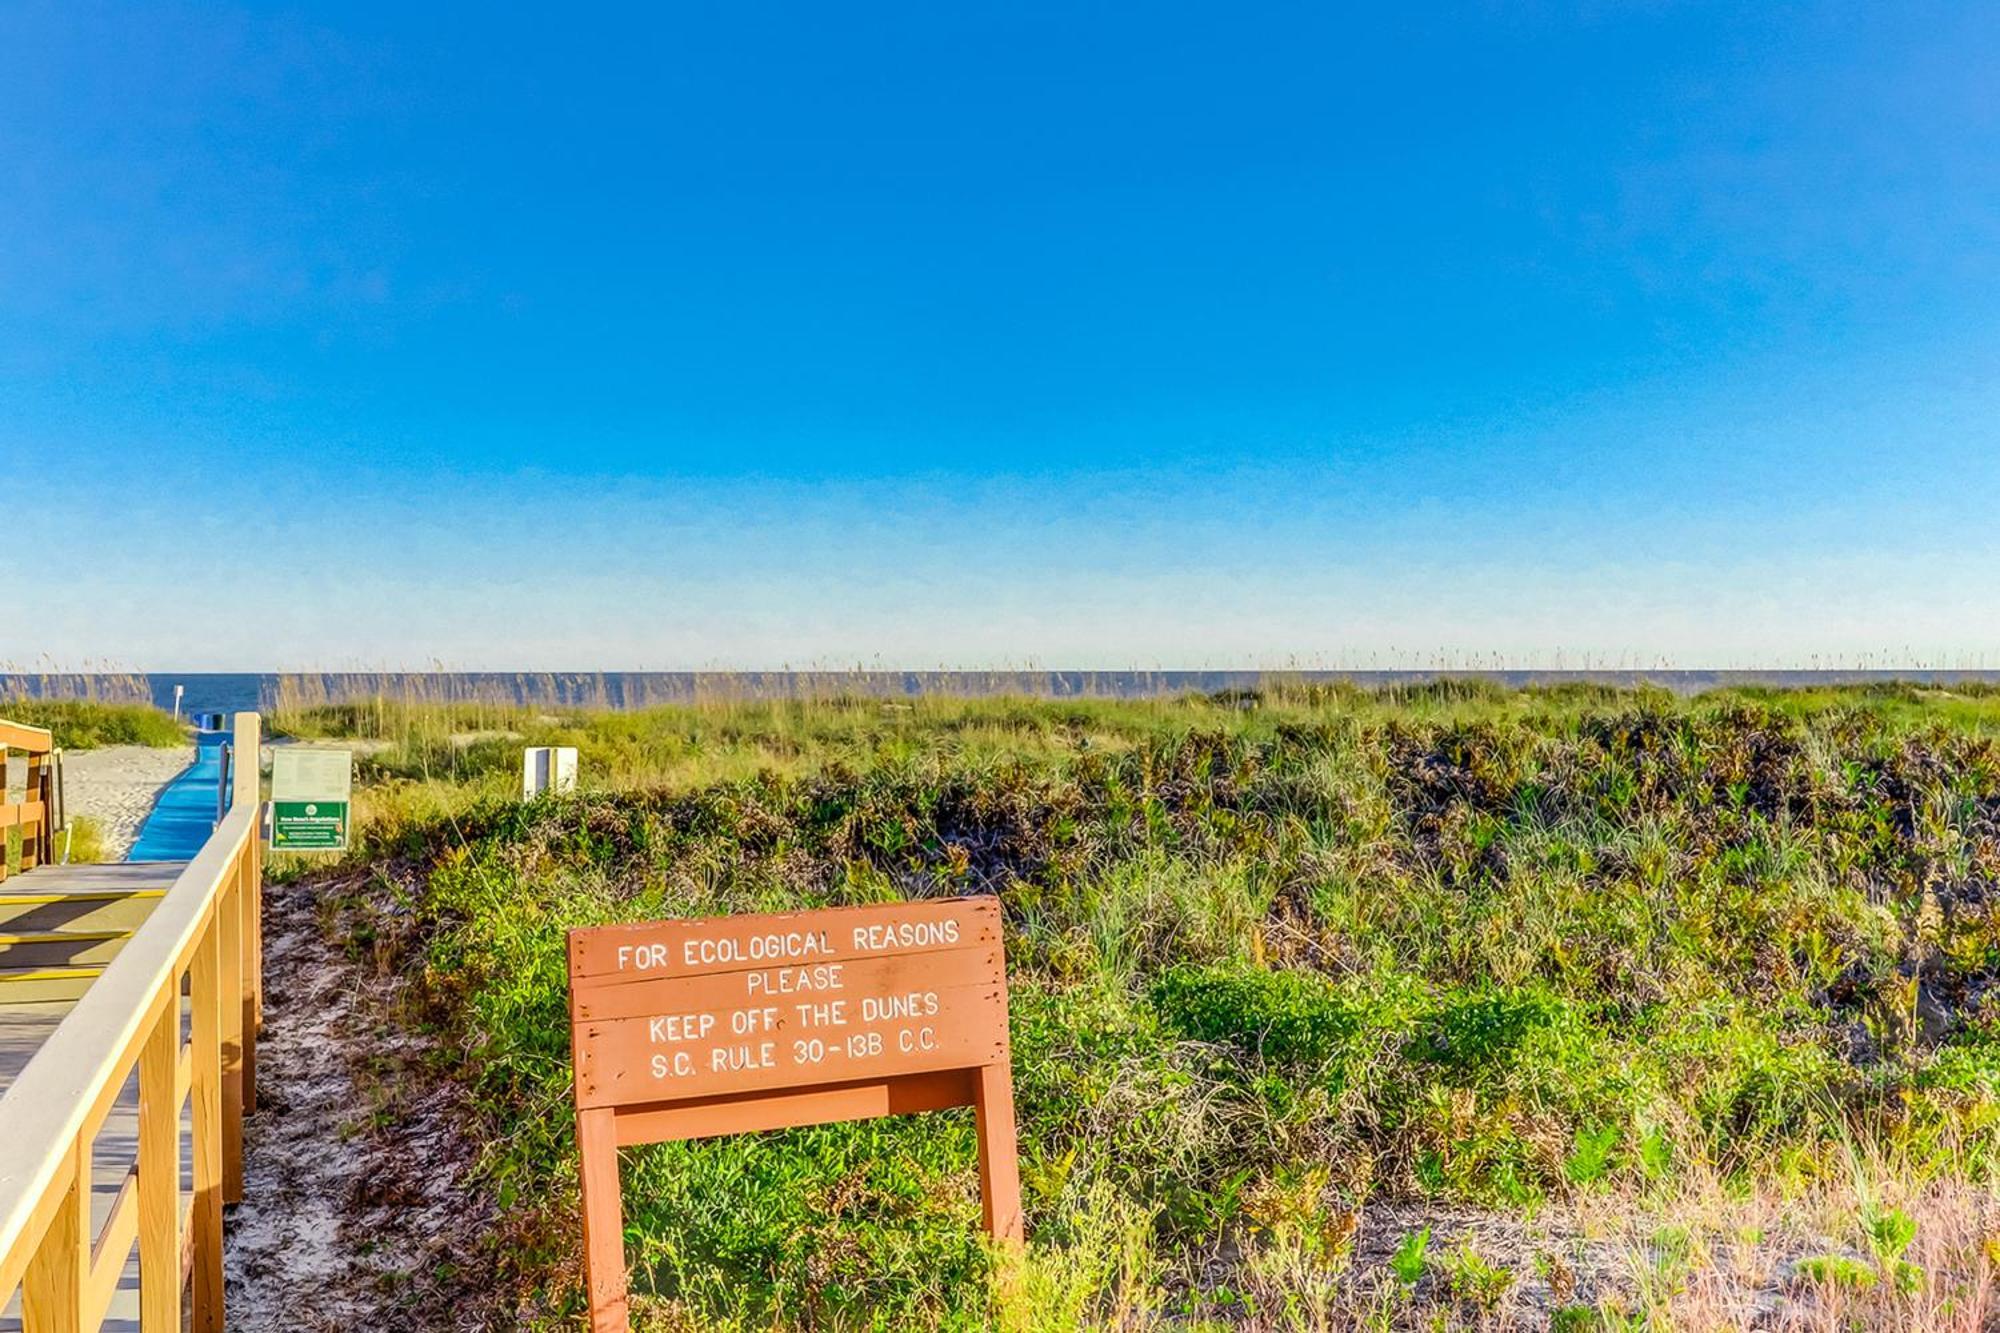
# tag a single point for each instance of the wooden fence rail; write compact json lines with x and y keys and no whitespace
{"x":34,"y":813}
{"x":195,"y":962}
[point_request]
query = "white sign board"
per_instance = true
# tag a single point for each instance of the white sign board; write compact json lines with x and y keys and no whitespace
{"x":311,"y":796}
{"x":547,"y":768}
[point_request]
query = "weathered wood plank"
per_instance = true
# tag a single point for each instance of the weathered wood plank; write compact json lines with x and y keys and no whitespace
{"x":52,"y":1288}
{"x":205,"y":991}
{"x":229,"y":945}
{"x":159,"y":1177}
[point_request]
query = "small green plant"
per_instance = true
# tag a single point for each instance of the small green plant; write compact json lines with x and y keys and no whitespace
{"x":1889,"y":1233}
{"x":1837,"y":1270}
{"x":1409,"y":1260}
{"x":1589,"y":1159}
{"x":1656,"y":1153}
{"x":1476,"y":1281}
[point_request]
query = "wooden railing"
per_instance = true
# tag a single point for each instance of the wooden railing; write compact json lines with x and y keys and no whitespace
{"x":34,"y":813}
{"x":203,"y":936}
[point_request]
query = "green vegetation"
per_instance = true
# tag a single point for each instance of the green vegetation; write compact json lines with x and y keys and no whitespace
{"x":88,"y":724}
{"x":82,"y":841}
{"x":1275,"y":961}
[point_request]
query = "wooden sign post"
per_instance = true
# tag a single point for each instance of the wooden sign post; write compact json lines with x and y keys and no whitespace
{"x":687,"y":1029}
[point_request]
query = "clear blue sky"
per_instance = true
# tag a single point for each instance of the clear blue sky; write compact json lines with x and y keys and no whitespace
{"x":1066,"y":335}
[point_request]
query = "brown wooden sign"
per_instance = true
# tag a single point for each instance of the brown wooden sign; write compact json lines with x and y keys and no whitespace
{"x":686,"y":1029}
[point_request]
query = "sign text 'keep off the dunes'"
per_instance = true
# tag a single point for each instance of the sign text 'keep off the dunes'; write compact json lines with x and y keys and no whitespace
{"x":677,"y":1009}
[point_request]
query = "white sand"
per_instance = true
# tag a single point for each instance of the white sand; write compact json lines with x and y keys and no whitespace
{"x":116,"y":787}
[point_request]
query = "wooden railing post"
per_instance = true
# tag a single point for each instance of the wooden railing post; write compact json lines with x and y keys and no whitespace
{"x":246,"y":741}
{"x":44,"y":772}
{"x":33,"y":831}
{"x":160,"y":1174}
{"x":206,"y":1002}
{"x":52,"y":1289}
{"x":248,"y":788}
{"x":229,"y":930}
{"x":50,"y":773}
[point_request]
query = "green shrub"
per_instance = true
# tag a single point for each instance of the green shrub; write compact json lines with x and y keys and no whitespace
{"x":1288,"y":1018}
{"x":1481,"y":1033}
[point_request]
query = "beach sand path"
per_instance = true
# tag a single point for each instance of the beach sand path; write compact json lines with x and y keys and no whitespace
{"x":117,"y":785}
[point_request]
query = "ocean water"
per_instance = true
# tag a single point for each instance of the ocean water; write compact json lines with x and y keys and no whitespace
{"x":229,"y":692}
{"x":211,"y":692}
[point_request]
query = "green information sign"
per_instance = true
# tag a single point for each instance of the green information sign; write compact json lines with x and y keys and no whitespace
{"x":310,"y":799}
{"x":309,"y":826}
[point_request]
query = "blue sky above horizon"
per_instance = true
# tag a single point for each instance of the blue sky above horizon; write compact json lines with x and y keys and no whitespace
{"x":1100,"y":336}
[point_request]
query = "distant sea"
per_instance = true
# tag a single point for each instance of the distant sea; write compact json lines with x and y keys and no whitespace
{"x":229,"y":692}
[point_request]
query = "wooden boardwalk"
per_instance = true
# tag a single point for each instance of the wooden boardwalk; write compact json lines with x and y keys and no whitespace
{"x":67,"y":921}
{"x":161,"y":965}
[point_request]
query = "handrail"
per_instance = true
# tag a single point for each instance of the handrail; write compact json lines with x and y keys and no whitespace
{"x":34,"y":811}
{"x":205,"y":930}
{"x":20,"y":736}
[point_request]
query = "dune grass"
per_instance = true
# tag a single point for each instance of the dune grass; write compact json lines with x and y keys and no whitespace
{"x":82,"y":842}
{"x":1282,"y":966}
{"x":89,"y":724}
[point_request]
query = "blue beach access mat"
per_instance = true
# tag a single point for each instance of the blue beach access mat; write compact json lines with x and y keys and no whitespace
{"x":184,"y":816}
